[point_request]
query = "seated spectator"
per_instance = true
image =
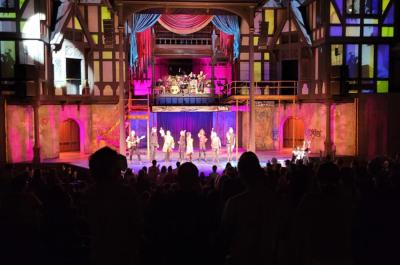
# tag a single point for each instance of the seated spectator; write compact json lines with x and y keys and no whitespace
{"x":154,"y":171}
{"x":322,"y":225}
{"x":113,"y":212}
{"x":250,"y":219}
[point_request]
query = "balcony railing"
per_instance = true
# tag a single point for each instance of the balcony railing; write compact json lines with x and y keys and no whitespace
{"x":237,"y":88}
{"x":183,"y":41}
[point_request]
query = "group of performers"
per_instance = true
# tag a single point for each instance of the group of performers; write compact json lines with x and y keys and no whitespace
{"x":185,"y":145}
{"x":184,"y":84}
{"x":302,"y":153}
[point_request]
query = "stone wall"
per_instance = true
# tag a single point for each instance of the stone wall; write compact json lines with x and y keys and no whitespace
{"x":270,"y":120}
{"x":20,"y":134}
{"x":98,"y":125}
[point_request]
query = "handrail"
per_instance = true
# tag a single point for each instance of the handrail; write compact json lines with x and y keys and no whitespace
{"x":275,"y":87}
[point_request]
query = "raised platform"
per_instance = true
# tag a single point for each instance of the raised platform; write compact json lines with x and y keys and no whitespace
{"x":185,"y":99}
{"x":81,"y":160}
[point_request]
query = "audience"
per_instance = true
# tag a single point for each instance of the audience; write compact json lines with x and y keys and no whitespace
{"x":323,"y":212}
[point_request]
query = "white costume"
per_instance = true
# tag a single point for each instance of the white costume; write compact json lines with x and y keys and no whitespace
{"x":169,"y":143}
{"x":189,"y":144}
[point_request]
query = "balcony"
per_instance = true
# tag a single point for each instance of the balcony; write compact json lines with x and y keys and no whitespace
{"x":238,"y":91}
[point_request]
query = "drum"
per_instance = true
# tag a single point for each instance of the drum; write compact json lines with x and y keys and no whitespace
{"x":175,"y":89}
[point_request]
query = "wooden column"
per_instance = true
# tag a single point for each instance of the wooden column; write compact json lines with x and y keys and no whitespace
{"x":237,"y":129}
{"x":3,"y":135}
{"x":121,"y":104}
{"x":252,"y":116}
{"x":328,"y":138}
{"x":36,"y":126}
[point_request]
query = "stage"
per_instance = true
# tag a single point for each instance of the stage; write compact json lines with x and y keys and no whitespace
{"x":81,"y":160}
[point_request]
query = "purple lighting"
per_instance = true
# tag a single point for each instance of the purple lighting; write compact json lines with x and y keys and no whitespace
{"x":336,"y":31}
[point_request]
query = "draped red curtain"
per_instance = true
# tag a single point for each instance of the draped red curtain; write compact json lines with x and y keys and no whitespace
{"x":183,"y":23}
{"x":144,"y":45}
{"x":226,"y":43}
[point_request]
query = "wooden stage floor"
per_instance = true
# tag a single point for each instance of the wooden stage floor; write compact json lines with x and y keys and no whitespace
{"x":81,"y":160}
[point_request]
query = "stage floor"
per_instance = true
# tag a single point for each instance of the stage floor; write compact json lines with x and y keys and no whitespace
{"x":81,"y":160}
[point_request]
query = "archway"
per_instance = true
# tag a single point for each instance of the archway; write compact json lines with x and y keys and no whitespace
{"x":293,"y":133}
{"x":69,"y":136}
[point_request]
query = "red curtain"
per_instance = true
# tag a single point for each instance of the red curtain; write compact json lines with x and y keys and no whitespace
{"x":144,"y":45}
{"x":184,"y":24}
{"x":226,"y":43}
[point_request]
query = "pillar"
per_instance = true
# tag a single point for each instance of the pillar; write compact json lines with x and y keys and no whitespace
{"x":3,"y":137}
{"x":252,"y":116}
{"x":328,"y":138}
{"x":121,"y":104}
{"x":36,"y":126}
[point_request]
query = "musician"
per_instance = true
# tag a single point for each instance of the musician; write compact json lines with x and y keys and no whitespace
{"x":201,"y":81}
{"x":189,"y":145}
{"x":133,"y":142}
{"x":169,"y":144}
{"x":182,"y":145}
{"x":153,"y":143}
{"x":215,"y":146}
{"x":230,"y":143}
{"x":202,"y":143}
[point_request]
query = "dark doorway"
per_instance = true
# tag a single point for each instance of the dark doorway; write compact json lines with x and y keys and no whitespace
{"x":289,"y":73}
{"x":73,"y":71}
{"x":290,"y":70}
{"x":69,"y":136}
{"x":180,"y":66}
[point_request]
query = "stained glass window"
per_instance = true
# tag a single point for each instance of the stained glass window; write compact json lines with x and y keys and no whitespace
{"x":371,"y":31}
{"x":390,"y":16}
{"x":336,"y":54}
{"x":382,"y":86}
{"x":353,"y":21}
{"x":367,"y":61}
{"x":371,"y":7}
{"x":339,"y":4}
{"x":385,"y":4}
{"x":7,"y":59}
{"x":334,"y":18}
{"x":387,"y":31}
{"x":353,"y":6}
{"x":336,"y":31}
{"x":352,"y":59}
{"x":269,"y":17}
{"x":383,"y":61}
{"x":352,"y":31}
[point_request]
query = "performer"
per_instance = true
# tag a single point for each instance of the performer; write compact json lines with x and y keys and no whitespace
{"x":169,"y":144}
{"x":153,"y":143}
{"x":182,"y":145}
{"x":202,"y":143}
{"x":215,"y":146}
{"x":133,"y":142}
{"x":230,"y":143}
{"x":201,"y":81}
{"x":189,"y":145}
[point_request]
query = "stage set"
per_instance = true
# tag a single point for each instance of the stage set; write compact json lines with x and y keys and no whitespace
{"x":264,"y":76}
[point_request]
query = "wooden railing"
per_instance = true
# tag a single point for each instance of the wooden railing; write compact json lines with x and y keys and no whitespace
{"x":280,"y":87}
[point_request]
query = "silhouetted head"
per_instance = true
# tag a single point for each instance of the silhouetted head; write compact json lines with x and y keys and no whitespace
{"x":250,"y":170}
{"x":328,"y":174}
{"x":188,"y":176}
{"x":104,"y":164}
{"x":154,"y":163}
{"x":178,"y":164}
{"x":214,"y":168}
{"x":123,"y":163}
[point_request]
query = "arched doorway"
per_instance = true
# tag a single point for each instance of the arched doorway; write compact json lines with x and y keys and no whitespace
{"x":69,"y":136}
{"x":293,"y":133}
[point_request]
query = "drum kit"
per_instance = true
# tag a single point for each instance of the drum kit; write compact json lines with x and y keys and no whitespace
{"x":183,"y":84}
